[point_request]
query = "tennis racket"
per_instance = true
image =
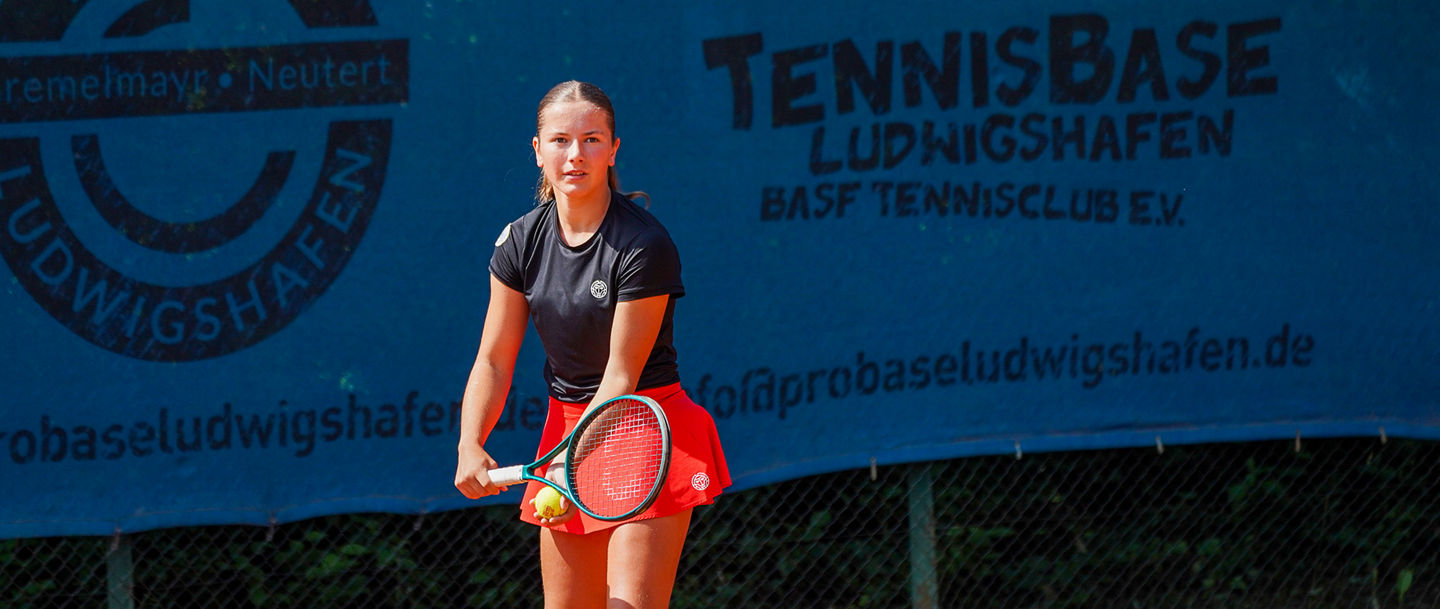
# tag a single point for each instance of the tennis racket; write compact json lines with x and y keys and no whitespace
{"x":615,"y":459}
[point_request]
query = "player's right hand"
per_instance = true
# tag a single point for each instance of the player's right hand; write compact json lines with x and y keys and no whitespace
{"x":472,"y":473}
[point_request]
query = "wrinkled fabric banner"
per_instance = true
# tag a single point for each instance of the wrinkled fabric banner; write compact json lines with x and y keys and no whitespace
{"x":246,"y":245}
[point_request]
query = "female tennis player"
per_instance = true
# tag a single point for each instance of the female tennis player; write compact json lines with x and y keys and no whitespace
{"x":599,"y":276}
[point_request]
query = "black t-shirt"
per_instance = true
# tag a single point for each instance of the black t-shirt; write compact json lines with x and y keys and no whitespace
{"x":572,"y":291}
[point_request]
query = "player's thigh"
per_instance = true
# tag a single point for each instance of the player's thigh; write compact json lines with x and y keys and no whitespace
{"x":644,"y":556}
{"x":573,"y":569}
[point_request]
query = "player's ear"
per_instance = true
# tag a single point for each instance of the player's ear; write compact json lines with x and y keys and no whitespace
{"x":614,"y":151}
{"x":535,"y":144}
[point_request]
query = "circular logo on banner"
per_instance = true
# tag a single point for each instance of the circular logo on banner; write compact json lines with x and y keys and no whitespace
{"x":227,"y":298}
{"x":598,"y":289}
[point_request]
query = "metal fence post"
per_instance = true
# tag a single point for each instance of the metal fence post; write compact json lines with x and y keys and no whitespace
{"x":120,"y":574}
{"x":924,"y":591}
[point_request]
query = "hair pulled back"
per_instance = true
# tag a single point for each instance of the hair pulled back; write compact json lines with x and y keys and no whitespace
{"x":577,"y":91}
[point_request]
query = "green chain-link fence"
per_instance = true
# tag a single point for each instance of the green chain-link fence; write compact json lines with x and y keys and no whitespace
{"x":1336,"y":523}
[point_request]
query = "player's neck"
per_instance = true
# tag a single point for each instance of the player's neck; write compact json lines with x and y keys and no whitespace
{"x":580,"y":217}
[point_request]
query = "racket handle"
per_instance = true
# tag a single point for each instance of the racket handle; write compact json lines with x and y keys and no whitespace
{"x":506,"y":476}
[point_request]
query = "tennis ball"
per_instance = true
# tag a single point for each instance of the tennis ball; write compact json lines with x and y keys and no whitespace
{"x":547,"y":503}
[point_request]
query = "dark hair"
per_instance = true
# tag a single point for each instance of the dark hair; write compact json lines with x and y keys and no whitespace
{"x":573,"y":91}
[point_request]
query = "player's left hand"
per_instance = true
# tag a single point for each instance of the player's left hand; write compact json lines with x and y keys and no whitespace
{"x":556,"y":474}
{"x":563,"y":517}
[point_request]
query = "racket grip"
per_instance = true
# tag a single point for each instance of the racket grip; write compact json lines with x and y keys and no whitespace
{"x":506,"y":476}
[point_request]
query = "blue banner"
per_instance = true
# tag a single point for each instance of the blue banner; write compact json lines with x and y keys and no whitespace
{"x":246,"y":245}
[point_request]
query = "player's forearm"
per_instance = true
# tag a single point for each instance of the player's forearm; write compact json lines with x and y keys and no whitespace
{"x":637,"y":323}
{"x":613,"y":385}
{"x":483,"y":403}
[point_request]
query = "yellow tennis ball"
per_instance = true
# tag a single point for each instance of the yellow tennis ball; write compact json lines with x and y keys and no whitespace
{"x":547,"y":503}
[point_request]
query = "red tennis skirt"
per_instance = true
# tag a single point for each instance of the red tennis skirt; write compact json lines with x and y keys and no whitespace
{"x":697,"y":463}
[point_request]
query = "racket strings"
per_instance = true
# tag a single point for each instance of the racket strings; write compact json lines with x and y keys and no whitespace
{"x":616,"y":463}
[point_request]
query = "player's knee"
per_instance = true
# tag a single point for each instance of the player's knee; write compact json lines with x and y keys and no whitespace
{"x":651,"y":595}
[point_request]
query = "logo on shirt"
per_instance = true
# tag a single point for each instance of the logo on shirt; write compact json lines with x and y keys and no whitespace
{"x":700,"y":481}
{"x":598,"y":289}
{"x":226,"y":257}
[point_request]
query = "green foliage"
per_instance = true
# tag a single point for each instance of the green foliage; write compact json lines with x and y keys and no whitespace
{"x":1254,"y":525}
{"x":1343,"y":523}
{"x":1403,"y":581}
{"x":35,"y":571}
{"x":1214,"y":526}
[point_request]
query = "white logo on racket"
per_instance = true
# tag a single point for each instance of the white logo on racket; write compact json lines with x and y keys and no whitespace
{"x":700,"y":481}
{"x":598,"y":289}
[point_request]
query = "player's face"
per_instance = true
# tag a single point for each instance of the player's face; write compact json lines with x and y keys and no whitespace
{"x":575,"y":149}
